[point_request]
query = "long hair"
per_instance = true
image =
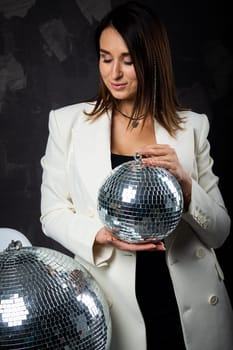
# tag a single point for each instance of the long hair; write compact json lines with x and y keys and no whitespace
{"x":148,"y":45}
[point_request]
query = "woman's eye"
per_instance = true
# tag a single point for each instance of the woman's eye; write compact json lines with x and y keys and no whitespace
{"x":129,"y":63}
{"x":105,"y":59}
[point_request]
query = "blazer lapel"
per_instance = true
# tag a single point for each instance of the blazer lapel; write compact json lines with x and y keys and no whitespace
{"x":92,"y":152}
{"x":183,"y":144}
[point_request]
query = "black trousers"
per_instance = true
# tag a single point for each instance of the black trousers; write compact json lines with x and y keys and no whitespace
{"x":157,"y":301}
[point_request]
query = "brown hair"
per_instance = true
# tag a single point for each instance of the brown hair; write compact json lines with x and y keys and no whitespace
{"x":147,"y":42}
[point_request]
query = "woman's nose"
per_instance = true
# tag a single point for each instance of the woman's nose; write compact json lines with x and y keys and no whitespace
{"x":117,"y":71}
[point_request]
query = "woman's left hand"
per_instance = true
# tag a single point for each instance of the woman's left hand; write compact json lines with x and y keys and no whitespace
{"x":165,"y":156}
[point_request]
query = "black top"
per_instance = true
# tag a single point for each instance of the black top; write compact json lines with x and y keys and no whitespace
{"x":155,"y":294}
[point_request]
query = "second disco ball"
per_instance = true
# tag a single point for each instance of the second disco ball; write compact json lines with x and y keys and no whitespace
{"x":48,"y":300}
{"x":140,"y":203}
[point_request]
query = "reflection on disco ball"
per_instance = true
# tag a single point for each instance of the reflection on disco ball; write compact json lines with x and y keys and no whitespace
{"x":140,"y":203}
{"x":49,"y":301}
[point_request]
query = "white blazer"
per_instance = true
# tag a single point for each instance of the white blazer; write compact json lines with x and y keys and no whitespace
{"x":76,"y":162}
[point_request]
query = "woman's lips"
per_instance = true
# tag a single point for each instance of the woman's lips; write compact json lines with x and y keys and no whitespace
{"x":117,"y":86}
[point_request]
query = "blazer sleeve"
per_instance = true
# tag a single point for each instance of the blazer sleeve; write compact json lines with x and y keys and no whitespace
{"x":207,"y":213}
{"x":59,"y":218}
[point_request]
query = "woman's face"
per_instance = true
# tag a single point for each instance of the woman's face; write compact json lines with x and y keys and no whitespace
{"x":116,"y":66}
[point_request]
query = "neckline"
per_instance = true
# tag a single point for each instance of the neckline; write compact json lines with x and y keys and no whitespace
{"x":121,"y":155}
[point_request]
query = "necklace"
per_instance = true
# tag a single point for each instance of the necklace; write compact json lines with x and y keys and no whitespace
{"x":135,"y":122}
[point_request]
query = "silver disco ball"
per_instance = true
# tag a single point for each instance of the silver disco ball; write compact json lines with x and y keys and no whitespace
{"x":140,"y":203}
{"x":49,"y":301}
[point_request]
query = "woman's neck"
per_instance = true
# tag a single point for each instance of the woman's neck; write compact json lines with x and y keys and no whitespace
{"x":126,"y":140}
{"x":125,"y":110}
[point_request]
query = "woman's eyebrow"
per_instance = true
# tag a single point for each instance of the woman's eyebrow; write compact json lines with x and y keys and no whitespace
{"x":104,"y":51}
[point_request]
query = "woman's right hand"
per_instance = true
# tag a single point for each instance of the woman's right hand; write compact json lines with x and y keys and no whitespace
{"x":105,"y":236}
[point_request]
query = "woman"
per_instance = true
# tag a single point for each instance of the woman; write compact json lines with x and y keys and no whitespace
{"x":164,"y":293}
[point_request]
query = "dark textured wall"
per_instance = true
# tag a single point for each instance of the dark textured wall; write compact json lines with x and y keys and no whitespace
{"x":47,"y":60}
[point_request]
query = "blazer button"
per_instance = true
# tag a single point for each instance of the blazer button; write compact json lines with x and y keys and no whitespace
{"x":200,"y":253}
{"x":213,"y":300}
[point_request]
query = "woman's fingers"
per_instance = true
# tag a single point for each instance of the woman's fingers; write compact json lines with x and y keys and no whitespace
{"x":136,"y":246}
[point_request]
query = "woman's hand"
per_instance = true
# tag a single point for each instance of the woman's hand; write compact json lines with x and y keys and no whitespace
{"x":165,"y":156}
{"x":105,"y":236}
